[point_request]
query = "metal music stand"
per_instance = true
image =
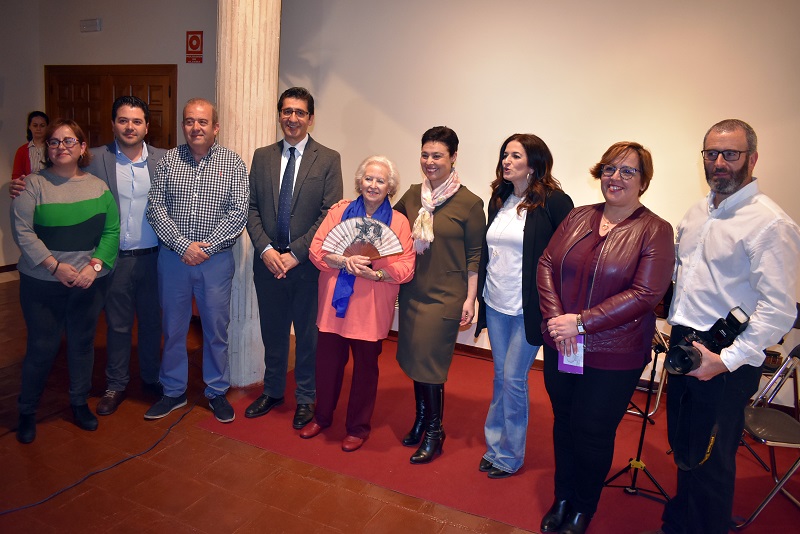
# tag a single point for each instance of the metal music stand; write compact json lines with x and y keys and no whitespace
{"x":636,"y":464}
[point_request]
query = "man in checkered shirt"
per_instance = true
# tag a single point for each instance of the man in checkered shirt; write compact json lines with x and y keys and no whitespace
{"x":198,"y":207}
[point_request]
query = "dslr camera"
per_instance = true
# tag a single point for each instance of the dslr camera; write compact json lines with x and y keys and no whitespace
{"x":683,"y":357}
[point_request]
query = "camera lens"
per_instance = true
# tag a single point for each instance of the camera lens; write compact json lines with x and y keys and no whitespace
{"x":682,"y":359}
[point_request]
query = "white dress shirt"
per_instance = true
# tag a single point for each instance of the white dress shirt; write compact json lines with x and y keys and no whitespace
{"x":743,"y":253}
{"x":298,"y":157}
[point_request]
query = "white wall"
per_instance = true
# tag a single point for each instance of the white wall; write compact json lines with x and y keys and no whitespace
{"x":21,"y":91}
{"x":144,"y":31}
{"x":580,"y":74}
{"x":46,"y":32}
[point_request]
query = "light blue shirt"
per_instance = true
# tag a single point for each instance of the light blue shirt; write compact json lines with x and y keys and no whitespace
{"x":133,"y":185}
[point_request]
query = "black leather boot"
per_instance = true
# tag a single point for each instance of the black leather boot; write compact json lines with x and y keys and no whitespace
{"x":414,"y":435}
{"x":575,"y":523}
{"x":26,"y":429}
{"x":84,"y":418}
{"x":553,"y":519}
{"x":432,"y":442}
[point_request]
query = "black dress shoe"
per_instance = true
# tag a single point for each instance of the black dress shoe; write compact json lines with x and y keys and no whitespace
{"x":262,"y":406}
{"x":84,"y":418}
{"x":575,"y":523}
{"x":554,"y":517}
{"x":303,"y":415}
{"x":26,"y":429}
{"x":484,"y":466}
{"x":498,"y":473}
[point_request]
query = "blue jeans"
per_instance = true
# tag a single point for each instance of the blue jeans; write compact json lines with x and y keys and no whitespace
{"x":507,"y":421}
{"x":210,"y":284}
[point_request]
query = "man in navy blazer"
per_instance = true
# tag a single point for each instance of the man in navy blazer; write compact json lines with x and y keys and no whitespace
{"x":128,"y":167}
{"x":285,"y":280}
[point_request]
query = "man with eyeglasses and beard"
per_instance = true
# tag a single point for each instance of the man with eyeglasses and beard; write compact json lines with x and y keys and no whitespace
{"x":293,"y":183}
{"x":736,"y":247}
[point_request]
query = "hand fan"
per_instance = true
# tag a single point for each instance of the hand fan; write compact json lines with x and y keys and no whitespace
{"x":362,"y":236}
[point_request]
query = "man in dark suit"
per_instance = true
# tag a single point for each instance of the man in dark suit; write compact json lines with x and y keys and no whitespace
{"x":293,"y":183}
{"x":128,"y":166}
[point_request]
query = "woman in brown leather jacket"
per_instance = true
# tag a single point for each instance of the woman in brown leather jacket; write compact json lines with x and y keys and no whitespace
{"x":601,"y":276}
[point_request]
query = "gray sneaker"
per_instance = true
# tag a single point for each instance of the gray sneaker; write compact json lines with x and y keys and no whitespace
{"x":164,"y":406}
{"x":222,"y":409}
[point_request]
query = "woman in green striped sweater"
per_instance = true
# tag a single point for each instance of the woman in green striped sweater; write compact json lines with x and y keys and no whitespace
{"x":66,"y":225}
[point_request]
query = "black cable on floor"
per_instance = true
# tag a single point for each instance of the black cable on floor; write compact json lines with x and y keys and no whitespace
{"x":103,"y":470}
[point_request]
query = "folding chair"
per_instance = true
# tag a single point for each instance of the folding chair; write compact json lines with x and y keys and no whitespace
{"x":774,"y":429}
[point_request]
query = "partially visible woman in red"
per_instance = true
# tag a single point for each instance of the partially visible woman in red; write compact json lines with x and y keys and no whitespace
{"x":356,"y":303}
{"x":30,"y":157}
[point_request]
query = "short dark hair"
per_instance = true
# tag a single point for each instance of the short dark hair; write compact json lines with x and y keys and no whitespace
{"x":32,"y":115}
{"x":620,"y":150}
{"x":86,"y":157}
{"x":444,"y":135}
{"x":301,"y":93}
{"x":132,"y":101}
{"x":730,"y":125}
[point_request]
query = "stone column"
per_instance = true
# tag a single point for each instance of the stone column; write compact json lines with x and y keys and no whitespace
{"x":248,"y":46}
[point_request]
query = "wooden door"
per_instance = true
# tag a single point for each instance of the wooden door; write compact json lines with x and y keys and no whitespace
{"x":85,"y":93}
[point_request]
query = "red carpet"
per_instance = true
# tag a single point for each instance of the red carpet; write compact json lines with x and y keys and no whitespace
{"x":453,"y":478}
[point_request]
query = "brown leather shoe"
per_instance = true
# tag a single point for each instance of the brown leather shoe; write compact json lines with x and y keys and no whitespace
{"x":352,"y":443}
{"x":110,"y":402}
{"x":310,"y":431}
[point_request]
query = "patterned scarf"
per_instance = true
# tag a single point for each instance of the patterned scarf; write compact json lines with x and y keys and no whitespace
{"x":423,"y":226}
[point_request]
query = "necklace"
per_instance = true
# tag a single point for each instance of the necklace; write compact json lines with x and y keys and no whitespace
{"x":607,"y":223}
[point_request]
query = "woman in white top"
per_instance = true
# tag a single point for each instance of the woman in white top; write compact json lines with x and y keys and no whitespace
{"x":526,"y":206}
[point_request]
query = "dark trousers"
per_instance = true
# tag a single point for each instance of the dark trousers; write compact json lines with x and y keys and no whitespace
{"x":704,"y":500}
{"x":282,"y":303}
{"x":333,"y":351}
{"x":52,"y":309}
{"x":133,"y":291}
{"x":587,"y":410}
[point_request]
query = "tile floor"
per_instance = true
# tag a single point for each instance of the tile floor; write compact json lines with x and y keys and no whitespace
{"x":192,"y":481}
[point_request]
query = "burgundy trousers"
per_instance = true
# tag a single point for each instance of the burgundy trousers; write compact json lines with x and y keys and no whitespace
{"x":333,"y":351}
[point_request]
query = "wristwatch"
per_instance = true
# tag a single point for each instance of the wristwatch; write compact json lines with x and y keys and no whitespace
{"x":379,"y":273}
{"x":581,"y":329}
{"x":97,"y":265}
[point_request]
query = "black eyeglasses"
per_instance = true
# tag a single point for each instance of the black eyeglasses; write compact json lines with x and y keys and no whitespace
{"x":727,"y":155}
{"x":287,"y":112}
{"x":626,"y":173}
{"x":68,"y":142}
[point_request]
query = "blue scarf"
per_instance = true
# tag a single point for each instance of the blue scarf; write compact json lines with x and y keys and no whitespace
{"x":345,"y":280}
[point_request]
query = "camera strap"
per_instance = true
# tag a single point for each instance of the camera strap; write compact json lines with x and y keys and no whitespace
{"x":711,"y":440}
{"x":686,"y":464}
